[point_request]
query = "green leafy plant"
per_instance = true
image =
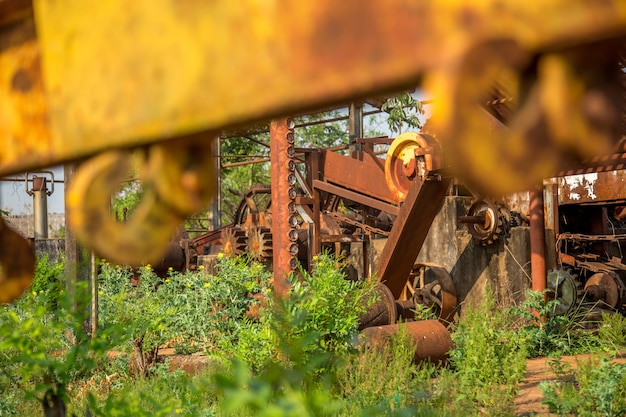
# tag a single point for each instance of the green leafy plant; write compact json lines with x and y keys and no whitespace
{"x":488,"y":361}
{"x":549,"y":334}
{"x":325,"y":306}
{"x":403,"y":110}
{"x":612,"y":330}
{"x":43,"y":352}
{"x":47,"y":279}
{"x":595,"y":388}
{"x":379,"y":378}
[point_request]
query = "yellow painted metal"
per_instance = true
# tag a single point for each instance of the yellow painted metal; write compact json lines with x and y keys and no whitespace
{"x":174,"y":182}
{"x":122,"y":73}
{"x":24,"y":135}
{"x":173,"y":189}
{"x":17,"y":264}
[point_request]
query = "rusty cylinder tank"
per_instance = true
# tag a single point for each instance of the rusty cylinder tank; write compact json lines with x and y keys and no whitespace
{"x":433,"y":342}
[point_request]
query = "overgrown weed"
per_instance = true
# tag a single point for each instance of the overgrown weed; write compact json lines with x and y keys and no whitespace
{"x":487,"y":362}
{"x":596,"y":388}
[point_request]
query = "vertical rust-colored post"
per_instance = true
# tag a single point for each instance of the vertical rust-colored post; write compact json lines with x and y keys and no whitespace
{"x":537,"y":241}
{"x":315,"y":244}
{"x":283,"y":205}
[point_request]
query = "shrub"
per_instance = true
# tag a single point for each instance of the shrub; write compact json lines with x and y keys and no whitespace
{"x":42,"y":352}
{"x":488,"y":361}
{"x":380,"y":378}
{"x":596,"y":388}
{"x":322,"y":308}
{"x":47,"y":279}
{"x":552,"y":335}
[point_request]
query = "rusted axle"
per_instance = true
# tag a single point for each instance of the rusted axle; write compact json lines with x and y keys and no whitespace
{"x":432,"y":340}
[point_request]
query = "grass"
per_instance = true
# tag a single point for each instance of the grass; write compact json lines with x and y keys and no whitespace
{"x":297,"y":357}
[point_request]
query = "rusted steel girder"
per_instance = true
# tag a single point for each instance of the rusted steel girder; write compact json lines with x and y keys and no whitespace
{"x":410,"y":230}
{"x":362,"y":172}
{"x":283,"y":204}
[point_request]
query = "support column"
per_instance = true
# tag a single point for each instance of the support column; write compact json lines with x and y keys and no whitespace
{"x":40,"y":207}
{"x":284,"y":218}
{"x":77,"y":259}
{"x":537,"y":241}
{"x":355,"y":124}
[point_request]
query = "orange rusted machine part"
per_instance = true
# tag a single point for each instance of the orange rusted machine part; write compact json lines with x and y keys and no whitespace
{"x":432,"y":339}
{"x":82,"y":79}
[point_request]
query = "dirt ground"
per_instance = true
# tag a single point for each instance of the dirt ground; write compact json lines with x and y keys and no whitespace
{"x":528,"y":402}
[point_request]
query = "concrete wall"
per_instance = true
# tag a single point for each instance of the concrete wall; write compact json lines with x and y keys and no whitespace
{"x":503,"y":266}
{"x":53,"y":247}
{"x":25,"y":226}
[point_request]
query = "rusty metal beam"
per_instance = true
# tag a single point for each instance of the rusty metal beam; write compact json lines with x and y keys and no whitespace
{"x":281,"y":202}
{"x":410,"y":230}
{"x":120,"y":74}
{"x":356,"y":197}
{"x":361,"y":172}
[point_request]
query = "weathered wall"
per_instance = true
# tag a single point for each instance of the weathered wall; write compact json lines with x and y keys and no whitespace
{"x":24,"y":224}
{"x":504,"y":266}
{"x":53,"y":247}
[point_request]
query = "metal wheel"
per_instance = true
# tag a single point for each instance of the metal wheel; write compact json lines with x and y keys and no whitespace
{"x":411,"y":155}
{"x":255,"y":208}
{"x":562,"y":286}
{"x":260,"y":243}
{"x":432,"y":286}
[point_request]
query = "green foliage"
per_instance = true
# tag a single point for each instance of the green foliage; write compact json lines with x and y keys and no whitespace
{"x":553,"y":335}
{"x":165,"y":394}
{"x":403,"y":110}
{"x":43,"y":352}
{"x":374,"y":379}
{"x":596,"y":388}
{"x":612,"y":330}
{"x":193,"y":311}
{"x":135,"y":308}
{"x":488,"y":361}
{"x":293,"y":386}
{"x":47,"y":279}
{"x":324,"y":306}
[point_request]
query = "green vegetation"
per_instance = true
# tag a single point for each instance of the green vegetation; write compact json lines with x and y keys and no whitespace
{"x":294,"y":356}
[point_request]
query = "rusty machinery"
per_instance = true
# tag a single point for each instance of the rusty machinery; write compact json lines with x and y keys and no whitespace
{"x":71,"y":88}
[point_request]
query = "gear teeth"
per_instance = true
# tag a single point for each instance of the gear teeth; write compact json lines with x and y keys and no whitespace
{"x":260,"y":243}
{"x":234,"y":241}
{"x":486,"y":236}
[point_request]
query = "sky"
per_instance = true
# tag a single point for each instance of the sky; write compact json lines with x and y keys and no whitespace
{"x":15,"y":199}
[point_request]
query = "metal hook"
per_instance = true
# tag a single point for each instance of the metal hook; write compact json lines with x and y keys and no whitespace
{"x":173,"y":190}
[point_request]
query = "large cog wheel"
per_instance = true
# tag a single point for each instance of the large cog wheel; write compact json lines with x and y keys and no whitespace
{"x":495,"y":224}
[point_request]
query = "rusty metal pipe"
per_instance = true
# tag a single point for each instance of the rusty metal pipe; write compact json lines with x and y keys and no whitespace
{"x":537,"y":241}
{"x":433,"y":342}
